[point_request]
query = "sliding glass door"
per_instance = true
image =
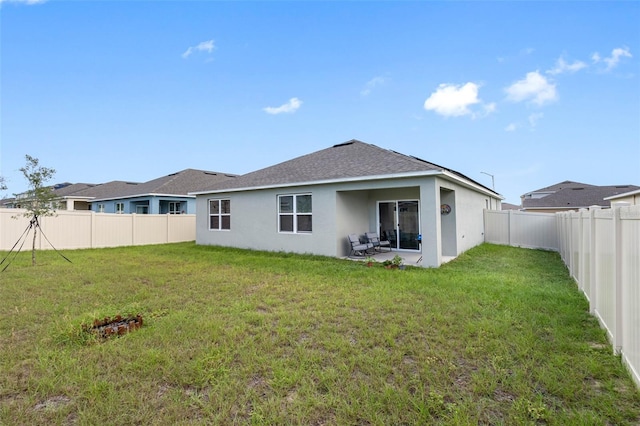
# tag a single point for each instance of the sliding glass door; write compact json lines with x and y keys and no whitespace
{"x":400,"y":223}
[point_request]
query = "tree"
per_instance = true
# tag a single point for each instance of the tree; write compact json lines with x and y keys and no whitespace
{"x":39,"y":200}
{"x":3,"y":184}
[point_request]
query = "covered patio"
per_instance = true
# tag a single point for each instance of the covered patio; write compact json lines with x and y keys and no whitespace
{"x":409,"y":258}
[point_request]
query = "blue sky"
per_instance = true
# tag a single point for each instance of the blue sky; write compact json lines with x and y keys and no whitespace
{"x":533,"y":93}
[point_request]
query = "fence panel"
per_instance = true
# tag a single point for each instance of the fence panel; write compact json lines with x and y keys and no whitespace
{"x":630,"y":280}
{"x":605,"y":300}
{"x":84,"y":229}
{"x":521,"y":229}
{"x":113,"y":230}
{"x":65,"y":231}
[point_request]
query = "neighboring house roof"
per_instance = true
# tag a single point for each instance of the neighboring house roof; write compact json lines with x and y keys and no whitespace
{"x":509,"y":206}
{"x":71,"y":189}
{"x":346,"y":161}
{"x":623,"y":195}
{"x":178,"y":184}
{"x":108,"y":190}
{"x":569,"y":195}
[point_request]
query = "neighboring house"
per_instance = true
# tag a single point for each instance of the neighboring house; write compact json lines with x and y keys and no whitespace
{"x":311,"y":203}
{"x":508,"y":206}
{"x":165,"y":195}
{"x":632,"y":197}
{"x":570,"y":195}
{"x":65,"y":197}
{"x":68,"y":200}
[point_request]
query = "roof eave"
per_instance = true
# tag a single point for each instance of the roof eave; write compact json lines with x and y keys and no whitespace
{"x":623,"y":195}
{"x":472,"y":185}
{"x":448,"y":174}
{"x":322,"y":182}
{"x":144,"y":195}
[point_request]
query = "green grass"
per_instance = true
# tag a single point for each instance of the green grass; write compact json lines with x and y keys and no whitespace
{"x":499,"y":336}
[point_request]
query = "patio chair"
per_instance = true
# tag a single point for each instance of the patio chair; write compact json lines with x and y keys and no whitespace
{"x":391,"y":237}
{"x":358,"y":248}
{"x":378,"y":244}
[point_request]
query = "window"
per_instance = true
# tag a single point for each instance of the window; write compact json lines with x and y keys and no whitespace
{"x":219,"y":214}
{"x":174,"y":207}
{"x":100,"y":208}
{"x":119,"y":207}
{"x":294,"y":213}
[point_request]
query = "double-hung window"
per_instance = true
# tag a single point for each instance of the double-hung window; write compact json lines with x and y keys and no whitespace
{"x":295,"y":213}
{"x":120,"y":208}
{"x":219,"y":214}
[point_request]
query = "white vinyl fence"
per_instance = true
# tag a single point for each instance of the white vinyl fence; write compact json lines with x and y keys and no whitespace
{"x":601,"y":248}
{"x":521,"y":229}
{"x":86,"y":229}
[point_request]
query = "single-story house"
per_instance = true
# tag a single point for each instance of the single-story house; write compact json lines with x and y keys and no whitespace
{"x":165,"y":195}
{"x":68,"y":200}
{"x":311,"y":203}
{"x":569,"y":195}
{"x":63,"y":193}
{"x":631,"y":197}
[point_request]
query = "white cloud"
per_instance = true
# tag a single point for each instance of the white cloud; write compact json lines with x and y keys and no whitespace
{"x":289,"y":107}
{"x":489,"y":108}
{"x":450,"y":100}
{"x":564,"y":67}
{"x":375,"y":81}
{"x":511,"y":127}
{"x":534,"y":118}
{"x":205,"y":46}
{"x":29,"y":2}
{"x":534,"y":87}
{"x":613,"y":60}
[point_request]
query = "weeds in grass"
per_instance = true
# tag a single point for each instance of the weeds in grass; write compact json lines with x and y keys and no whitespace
{"x":498,"y":336}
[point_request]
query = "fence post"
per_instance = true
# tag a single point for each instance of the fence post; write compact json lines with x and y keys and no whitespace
{"x":133,"y":229}
{"x":581,"y":254}
{"x":509,"y":224}
{"x":570,"y":243}
{"x":92,"y":230}
{"x":592,"y":263}
{"x":168,"y":227}
{"x":618,"y":340}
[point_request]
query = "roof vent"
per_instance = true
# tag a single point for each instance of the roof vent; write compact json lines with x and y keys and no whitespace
{"x":210,"y":173}
{"x":344,"y":144}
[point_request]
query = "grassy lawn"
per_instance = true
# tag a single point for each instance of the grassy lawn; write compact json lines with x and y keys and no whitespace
{"x":499,"y":336}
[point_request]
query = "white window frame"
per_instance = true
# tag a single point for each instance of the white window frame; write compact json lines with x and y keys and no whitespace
{"x":176,"y":207}
{"x":294,"y":214}
{"x":119,"y":208}
{"x":100,"y":208}
{"x":220,"y":214}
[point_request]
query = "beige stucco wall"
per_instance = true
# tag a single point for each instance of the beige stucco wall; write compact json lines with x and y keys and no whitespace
{"x":254,"y":222}
{"x":342,"y":209}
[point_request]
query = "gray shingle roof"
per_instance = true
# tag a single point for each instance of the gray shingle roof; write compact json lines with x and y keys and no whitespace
{"x":179,"y":183}
{"x":574,"y":195}
{"x":108,"y":190}
{"x":72,"y":189}
{"x":352,"y":159}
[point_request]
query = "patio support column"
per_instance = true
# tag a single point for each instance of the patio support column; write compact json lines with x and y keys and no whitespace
{"x":430,"y":224}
